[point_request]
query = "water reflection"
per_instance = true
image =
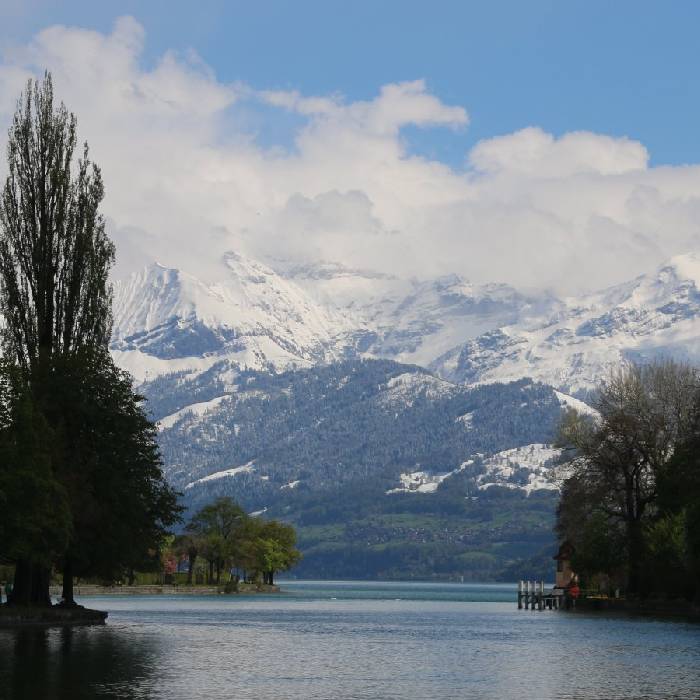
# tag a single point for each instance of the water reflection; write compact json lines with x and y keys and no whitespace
{"x":359,"y":642}
{"x":75,"y":663}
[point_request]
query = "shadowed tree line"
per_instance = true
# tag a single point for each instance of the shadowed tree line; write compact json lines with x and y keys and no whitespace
{"x":81,"y":483}
{"x":631,"y":502}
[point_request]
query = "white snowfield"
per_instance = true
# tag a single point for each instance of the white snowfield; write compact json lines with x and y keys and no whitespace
{"x":578,"y":341}
{"x":257,"y":317}
{"x":225,"y":474}
{"x":248,"y":315}
{"x":425,"y":482}
{"x":536,"y":459}
{"x":419,"y":482}
{"x":193,"y":410}
{"x":404,"y":389}
{"x":577,"y":405}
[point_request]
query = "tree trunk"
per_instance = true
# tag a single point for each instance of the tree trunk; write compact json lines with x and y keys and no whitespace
{"x":41,"y":579}
{"x":190,"y":570}
{"x":22,"y":586}
{"x":31,"y":585}
{"x":270,"y":576}
{"x":635,"y":544}
{"x":218,"y":572}
{"x":211,"y":572}
{"x":67,"y":593}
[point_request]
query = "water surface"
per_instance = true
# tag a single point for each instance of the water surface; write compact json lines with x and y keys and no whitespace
{"x":351,"y":640}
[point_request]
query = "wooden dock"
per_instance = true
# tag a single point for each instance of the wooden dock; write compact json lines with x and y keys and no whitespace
{"x":532,"y":596}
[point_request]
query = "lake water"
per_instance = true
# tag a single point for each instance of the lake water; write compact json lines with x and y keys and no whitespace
{"x":351,"y":640}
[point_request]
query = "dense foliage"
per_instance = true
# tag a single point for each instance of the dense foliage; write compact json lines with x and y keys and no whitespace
{"x":226,"y":538}
{"x":81,"y":484}
{"x":630,"y":504}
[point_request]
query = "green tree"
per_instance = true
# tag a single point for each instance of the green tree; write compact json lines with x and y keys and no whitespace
{"x":676,"y":540}
{"x":217,"y":527}
{"x":187,"y":545}
{"x":55,"y":298}
{"x":226,"y":536}
{"x":644,"y":413}
{"x":122,"y":507}
{"x":277,"y":550}
{"x":54,"y":256}
{"x":35,"y":523}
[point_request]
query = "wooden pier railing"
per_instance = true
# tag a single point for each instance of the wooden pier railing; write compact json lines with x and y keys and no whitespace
{"x":532,"y":596}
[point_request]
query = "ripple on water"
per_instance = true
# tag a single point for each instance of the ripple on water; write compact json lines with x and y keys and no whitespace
{"x":349,"y":640}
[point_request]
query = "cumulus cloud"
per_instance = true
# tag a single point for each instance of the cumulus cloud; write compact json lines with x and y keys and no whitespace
{"x":532,"y":152}
{"x":186,"y":182}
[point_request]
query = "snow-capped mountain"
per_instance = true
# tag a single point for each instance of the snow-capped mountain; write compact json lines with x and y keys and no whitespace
{"x":167,"y":320}
{"x":295,"y":389}
{"x":302,"y":315}
{"x":413,"y":321}
{"x":576,"y":346}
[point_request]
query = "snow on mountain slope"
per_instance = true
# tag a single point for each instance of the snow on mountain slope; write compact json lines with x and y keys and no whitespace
{"x":167,"y":320}
{"x":196,"y":409}
{"x":409,"y":321}
{"x":224,"y":474}
{"x":438,"y":314}
{"x":362,"y":294}
{"x":526,"y":468}
{"x":304,"y":315}
{"x":577,"y":405}
{"x":574,"y":348}
{"x":404,"y":390}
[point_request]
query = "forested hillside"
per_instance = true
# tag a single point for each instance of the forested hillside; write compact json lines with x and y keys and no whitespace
{"x":383,"y":467}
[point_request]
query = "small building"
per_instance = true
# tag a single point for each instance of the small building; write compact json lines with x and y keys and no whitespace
{"x":565,"y":574}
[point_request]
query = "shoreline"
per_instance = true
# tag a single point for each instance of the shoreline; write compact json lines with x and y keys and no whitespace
{"x":17,"y":617}
{"x":87,"y":590}
{"x":673,"y":609}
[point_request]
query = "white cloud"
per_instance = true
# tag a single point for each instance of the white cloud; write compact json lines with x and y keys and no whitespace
{"x":185,"y":182}
{"x":532,"y":152}
{"x":397,"y":105}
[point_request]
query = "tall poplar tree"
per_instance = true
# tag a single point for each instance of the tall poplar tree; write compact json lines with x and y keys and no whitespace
{"x":54,"y":254}
{"x":100,"y":453}
{"x":54,"y":258}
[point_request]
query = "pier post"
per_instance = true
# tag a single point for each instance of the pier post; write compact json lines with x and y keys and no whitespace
{"x":520,"y":595}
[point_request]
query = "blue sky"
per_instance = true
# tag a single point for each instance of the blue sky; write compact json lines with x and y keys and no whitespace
{"x":549,"y":145}
{"x":621,"y":68}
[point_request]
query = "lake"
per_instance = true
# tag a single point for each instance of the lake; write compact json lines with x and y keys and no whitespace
{"x":351,"y":640}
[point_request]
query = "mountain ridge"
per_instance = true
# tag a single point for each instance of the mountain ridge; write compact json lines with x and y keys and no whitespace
{"x":303,"y":315}
{"x":416,"y":415}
